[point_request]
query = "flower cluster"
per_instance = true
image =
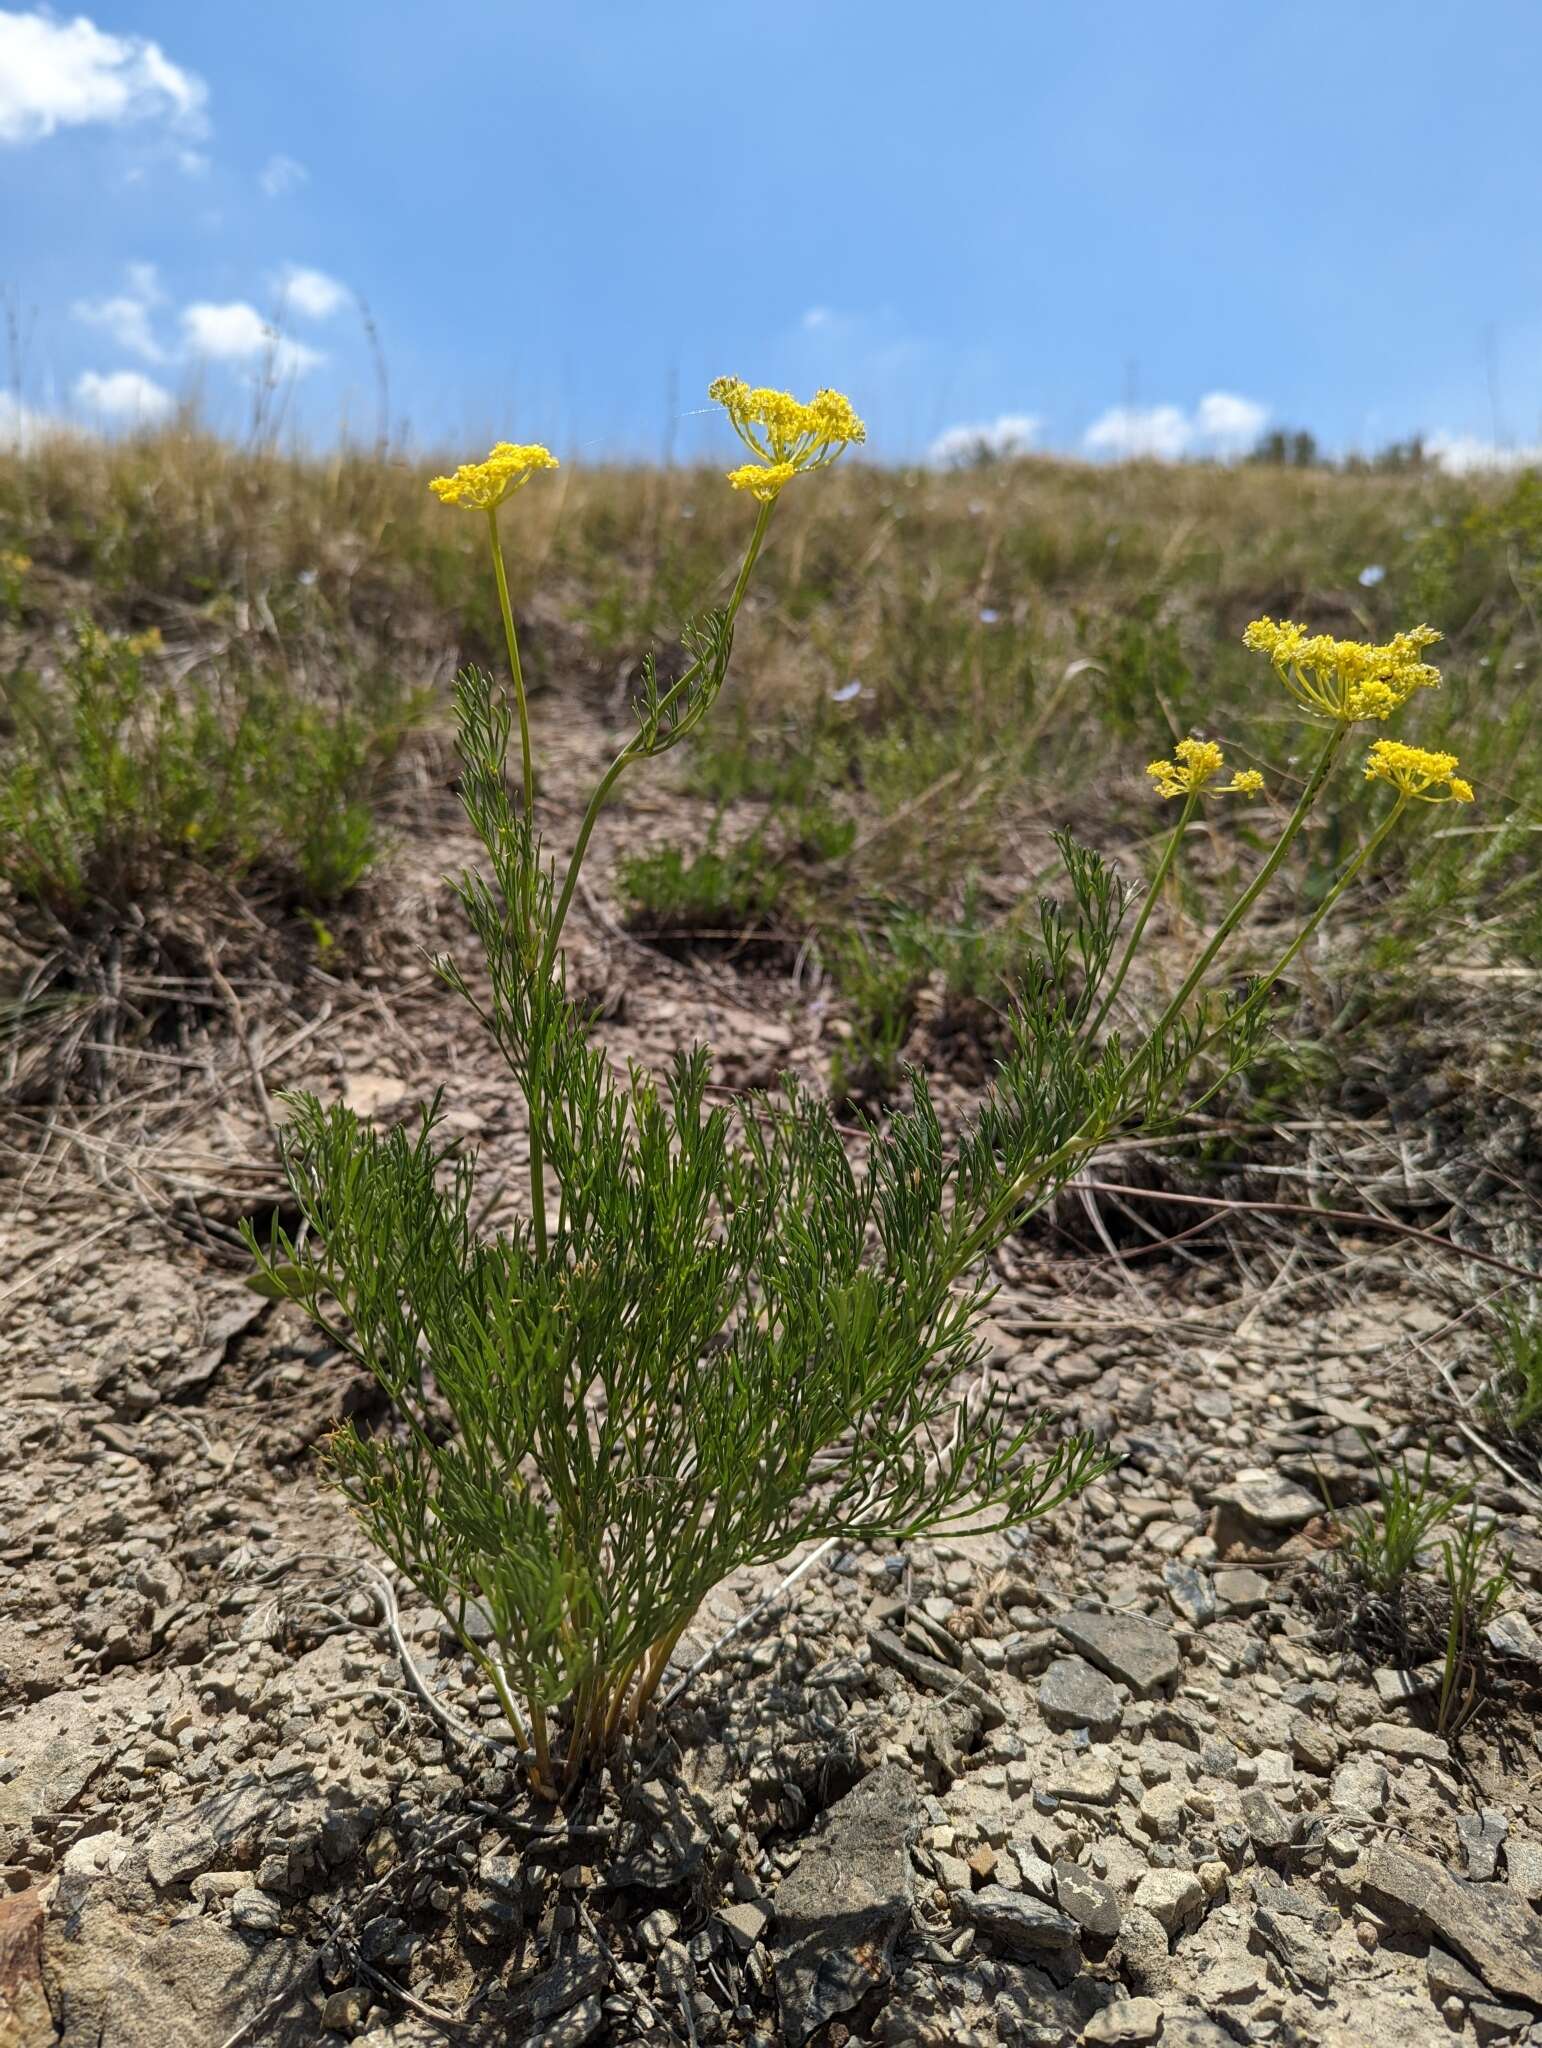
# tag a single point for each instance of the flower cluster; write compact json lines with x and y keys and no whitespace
{"x":485,"y":485}
{"x":1198,"y":764}
{"x":1346,"y":679}
{"x":785,"y":436}
{"x":1415,"y":772}
{"x":13,"y":564}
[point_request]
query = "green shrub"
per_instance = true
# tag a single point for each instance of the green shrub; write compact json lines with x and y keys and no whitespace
{"x":1513,"y":1399}
{"x":713,"y":1337}
{"x":1384,"y":1542}
{"x":716,"y":892}
{"x":116,"y":781}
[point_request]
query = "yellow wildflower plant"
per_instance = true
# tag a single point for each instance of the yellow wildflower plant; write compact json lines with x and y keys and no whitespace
{"x":1346,"y":680}
{"x":785,"y":436}
{"x":14,"y":564}
{"x":1416,"y":773}
{"x":484,"y":485}
{"x":1194,"y":772}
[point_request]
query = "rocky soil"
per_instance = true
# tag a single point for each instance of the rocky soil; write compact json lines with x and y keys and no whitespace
{"x":1110,"y":1781}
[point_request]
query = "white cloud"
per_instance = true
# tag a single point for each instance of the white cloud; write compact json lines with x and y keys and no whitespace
{"x":64,"y":74}
{"x":1229,"y":421}
{"x":1009,"y":434}
{"x":22,"y":426}
{"x":815,"y":318}
{"x":126,"y":317}
{"x":1132,"y":432}
{"x":1221,"y":424}
{"x":311,"y":293}
{"x":281,"y":175}
{"x":123,"y":395}
{"x":1461,"y":454}
{"x":237,"y":333}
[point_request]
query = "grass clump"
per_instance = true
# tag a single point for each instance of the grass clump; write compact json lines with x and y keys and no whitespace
{"x":116,"y":783}
{"x":1512,"y":1399}
{"x":1382,"y":1543}
{"x":712,"y":1337}
{"x":718,"y":892}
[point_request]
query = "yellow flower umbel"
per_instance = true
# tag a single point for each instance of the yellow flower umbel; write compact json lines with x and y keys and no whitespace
{"x":1346,"y":680}
{"x":1413,"y":772}
{"x":785,"y":436}
{"x":485,"y":485}
{"x":1194,"y":772}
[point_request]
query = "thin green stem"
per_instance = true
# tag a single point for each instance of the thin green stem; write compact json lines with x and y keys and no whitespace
{"x":628,"y":753}
{"x":1250,"y":894}
{"x":511,"y":640}
{"x":1163,"y":865}
{"x":526,"y":909}
{"x":1360,"y":861}
{"x":1087,"y":1137}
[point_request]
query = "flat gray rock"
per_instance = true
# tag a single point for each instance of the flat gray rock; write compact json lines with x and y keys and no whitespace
{"x":1127,"y":2024}
{"x":1128,"y":1647}
{"x":1018,"y":1925}
{"x":839,"y":1914}
{"x":1270,"y":1502}
{"x":1091,"y":1903}
{"x":1491,"y":1929}
{"x":1073,"y":1695}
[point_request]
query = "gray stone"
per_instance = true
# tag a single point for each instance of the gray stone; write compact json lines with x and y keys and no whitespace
{"x":1491,"y":2022}
{"x":1191,"y":1592}
{"x":1191,"y":2029}
{"x":1393,"y":1739}
{"x":932,"y":1675}
{"x":1073,"y":1695}
{"x":565,"y":1984}
{"x":1266,"y":1501}
{"x":256,"y":1912}
{"x":574,"y":2029}
{"x":746,"y":1921}
{"x":1486,"y":1925}
{"x":1512,"y":1635}
{"x":1018,"y":1925}
{"x":1078,"y":1781}
{"x":1242,"y":1591}
{"x":1144,"y":1952}
{"x":345,"y":2011}
{"x":1175,"y":1899}
{"x":221,"y":1830}
{"x":1360,"y":1787}
{"x":1295,"y":1944}
{"x":840,"y":1912}
{"x":1030,"y":2009}
{"x":1523,"y":1867}
{"x":1091,"y":1903}
{"x":1395,"y":1687}
{"x":1126,"y":2024}
{"x":1268,"y":1828}
{"x":1482,"y":1836}
{"x":1447,"y":1978}
{"x":1127,"y":1646}
{"x":116,"y":1977}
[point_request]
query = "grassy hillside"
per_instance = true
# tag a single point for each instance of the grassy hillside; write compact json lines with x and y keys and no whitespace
{"x":934,"y":672}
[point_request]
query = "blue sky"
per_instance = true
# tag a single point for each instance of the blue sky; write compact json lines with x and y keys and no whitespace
{"x":1090,"y":227}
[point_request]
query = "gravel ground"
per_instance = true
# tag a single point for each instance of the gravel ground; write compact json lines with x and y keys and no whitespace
{"x":1108,"y":1782}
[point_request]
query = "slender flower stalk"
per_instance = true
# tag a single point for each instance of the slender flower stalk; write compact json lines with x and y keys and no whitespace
{"x":1132,"y":944}
{"x":1417,"y":776}
{"x":1250,"y":895}
{"x":483,"y":486}
{"x":511,"y":641}
{"x":632,"y":750}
